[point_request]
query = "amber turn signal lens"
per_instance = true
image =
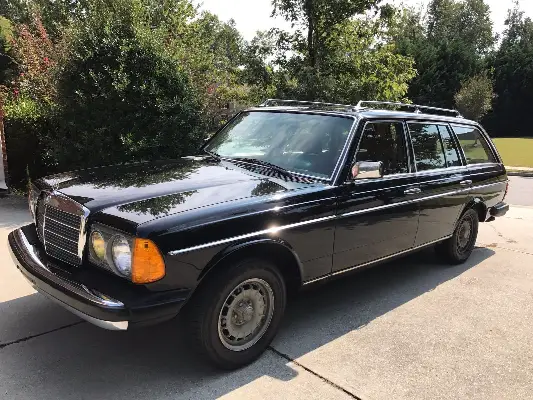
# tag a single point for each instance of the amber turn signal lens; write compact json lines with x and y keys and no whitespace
{"x":148,"y":265}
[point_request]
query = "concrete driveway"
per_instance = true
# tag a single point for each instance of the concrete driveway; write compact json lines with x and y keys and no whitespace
{"x":412,"y":329}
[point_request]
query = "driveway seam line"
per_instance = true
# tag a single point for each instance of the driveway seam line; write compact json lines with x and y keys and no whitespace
{"x":505,"y":248}
{"x":326,"y":380}
{"x":24,"y":339}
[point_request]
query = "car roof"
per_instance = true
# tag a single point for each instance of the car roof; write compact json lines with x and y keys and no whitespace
{"x":366,"y":113}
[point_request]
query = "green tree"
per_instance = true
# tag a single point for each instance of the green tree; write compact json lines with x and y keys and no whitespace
{"x":513,"y":77}
{"x":450,"y":43}
{"x":474,"y":100}
{"x":316,"y":23}
{"x":344,"y":57}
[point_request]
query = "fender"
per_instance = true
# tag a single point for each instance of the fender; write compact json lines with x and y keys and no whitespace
{"x":238,"y":247}
{"x":478,"y":204}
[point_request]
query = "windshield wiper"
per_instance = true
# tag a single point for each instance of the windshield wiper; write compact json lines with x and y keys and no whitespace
{"x":256,"y":161}
{"x":212,"y":154}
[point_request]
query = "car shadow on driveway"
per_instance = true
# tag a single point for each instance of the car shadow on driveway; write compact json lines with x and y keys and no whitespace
{"x":83,"y":361}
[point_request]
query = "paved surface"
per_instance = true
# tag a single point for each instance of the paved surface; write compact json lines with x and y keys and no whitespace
{"x":412,"y":329}
{"x":520,"y":191}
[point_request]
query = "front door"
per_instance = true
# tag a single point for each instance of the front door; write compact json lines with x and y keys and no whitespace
{"x":376,"y":218}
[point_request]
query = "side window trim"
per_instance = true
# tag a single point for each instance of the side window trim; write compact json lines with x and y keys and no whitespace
{"x":485,"y":137}
{"x":453,"y":135}
{"x":407,"y":138}
{"x":457,"y":144}
{"x":426,"y":122}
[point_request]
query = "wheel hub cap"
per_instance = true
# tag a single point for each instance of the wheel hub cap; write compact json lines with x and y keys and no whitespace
{"x":464,"y":234}
{"x":246,"y":314}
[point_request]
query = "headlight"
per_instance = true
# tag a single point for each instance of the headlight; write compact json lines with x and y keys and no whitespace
{"x":121,"y":254}
{"x":136,"y":259}
{"x":98,"y":245}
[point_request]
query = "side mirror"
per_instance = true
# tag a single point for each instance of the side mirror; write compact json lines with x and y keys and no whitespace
{"x":366,"y":170}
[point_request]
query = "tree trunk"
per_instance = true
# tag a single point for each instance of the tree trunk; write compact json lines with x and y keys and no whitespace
{"x":311,"y":48}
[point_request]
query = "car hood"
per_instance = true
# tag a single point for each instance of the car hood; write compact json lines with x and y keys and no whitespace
{"x":145,"y":191}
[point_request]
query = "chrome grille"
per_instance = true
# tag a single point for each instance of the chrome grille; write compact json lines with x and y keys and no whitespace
{"x":62,"y":234}
{"x":39,"y":219}
{"x":60,"y":230}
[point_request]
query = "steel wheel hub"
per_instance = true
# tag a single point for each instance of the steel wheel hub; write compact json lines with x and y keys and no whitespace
{"x":246,"y":314}
{"x":464,"y":234}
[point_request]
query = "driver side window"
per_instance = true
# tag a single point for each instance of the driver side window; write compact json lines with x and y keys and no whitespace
{"x":385,"y":142}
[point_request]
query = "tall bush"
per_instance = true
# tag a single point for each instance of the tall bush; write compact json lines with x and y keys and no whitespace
{"x":121,"y":96}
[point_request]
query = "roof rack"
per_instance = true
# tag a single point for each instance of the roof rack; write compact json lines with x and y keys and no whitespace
{"x":417,"y":108}
{"x":279,"y":102}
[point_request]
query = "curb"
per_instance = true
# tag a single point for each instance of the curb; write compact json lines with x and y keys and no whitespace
{"x":525,"y":174}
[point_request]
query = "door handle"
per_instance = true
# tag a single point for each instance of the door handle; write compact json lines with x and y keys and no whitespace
{"x":413,"y":191}
{"x":466,"y":183}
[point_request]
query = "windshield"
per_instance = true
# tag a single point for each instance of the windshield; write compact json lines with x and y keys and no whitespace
{"x":306,"y":143}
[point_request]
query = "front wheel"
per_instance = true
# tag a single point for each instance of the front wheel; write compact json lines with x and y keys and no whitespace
{"x":459,"y":247}
{"x":236,"y":313}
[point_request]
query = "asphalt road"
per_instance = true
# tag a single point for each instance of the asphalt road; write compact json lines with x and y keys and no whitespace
{"x":520,"y":191}
{"x":412,"y":329}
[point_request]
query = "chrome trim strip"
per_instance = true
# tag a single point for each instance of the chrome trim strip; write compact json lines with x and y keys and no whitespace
{"x":62,"y":223}
{"x":343,"y":271}
{"x":367,"y":210}
{"x":30,"y":250}
{"x":489,"y":184}
{"x":62,"y":249}
{"x":384,"y":207}
{"x":269,"y":231}
{"x":61,"y":236}
{"x":74,"y":287}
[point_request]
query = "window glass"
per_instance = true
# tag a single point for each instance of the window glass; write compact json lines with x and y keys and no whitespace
{"x":427,"y":146}
{"x":299,"y":142}
{"x":475,"y":147}
{"x":385,"y":142}
{"x":450,"y":148}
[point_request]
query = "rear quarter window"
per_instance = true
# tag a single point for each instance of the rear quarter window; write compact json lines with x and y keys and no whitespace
{"x":474,"y":144}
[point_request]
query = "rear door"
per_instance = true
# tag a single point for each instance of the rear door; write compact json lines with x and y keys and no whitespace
{"x":375,"y":219}
{"x":485,"y":168}
{"x":442,"y":178}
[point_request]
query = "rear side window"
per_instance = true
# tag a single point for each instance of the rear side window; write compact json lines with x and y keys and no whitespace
{"x":384,"y":141}
{"x":474,"y":144}
{"x":428,"y":147}
{"x":450,"y":147}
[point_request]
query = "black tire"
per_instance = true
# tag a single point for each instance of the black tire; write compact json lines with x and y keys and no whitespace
{"x":206,"y":308}
{"x":459,"y":247}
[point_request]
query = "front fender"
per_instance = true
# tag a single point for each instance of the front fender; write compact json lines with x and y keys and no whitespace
{"x":264,"y":247}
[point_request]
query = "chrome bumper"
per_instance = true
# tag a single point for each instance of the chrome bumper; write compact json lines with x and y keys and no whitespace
{"x":26,"y":258}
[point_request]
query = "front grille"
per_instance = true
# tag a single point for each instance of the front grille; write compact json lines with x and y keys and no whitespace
{"x":39,"y":218}
{"x":59,"y":231}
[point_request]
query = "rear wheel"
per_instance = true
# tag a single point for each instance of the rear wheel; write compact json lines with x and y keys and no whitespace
{"x":235,"y":315}
{"x":459,"y":247}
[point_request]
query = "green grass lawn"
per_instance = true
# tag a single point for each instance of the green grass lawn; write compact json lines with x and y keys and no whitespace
{"x":516,"y":152}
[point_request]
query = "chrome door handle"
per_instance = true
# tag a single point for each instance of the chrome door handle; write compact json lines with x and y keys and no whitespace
{"x":413,"y":191}
{"x":466,"y":183}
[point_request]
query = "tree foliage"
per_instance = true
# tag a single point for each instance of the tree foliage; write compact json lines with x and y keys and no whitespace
{"x":120,"y":93}
{"x":449,"y":43}
{"x":513,"y":77}
{"x":345,"y":54}
{"x":474,"y":100}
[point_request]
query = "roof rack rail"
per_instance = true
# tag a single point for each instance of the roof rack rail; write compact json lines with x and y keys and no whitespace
{"x":417,"y":108}
{"x":278,"y":102}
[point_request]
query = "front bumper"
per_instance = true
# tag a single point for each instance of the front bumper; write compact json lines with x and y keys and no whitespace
{"x":92,"y":295}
